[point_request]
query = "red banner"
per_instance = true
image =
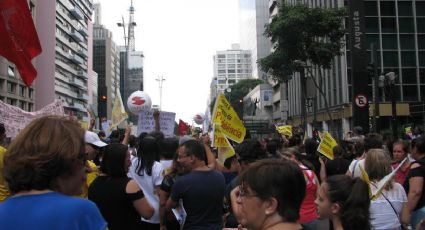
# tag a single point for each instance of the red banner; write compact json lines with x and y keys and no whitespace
{"x":19,"y":40}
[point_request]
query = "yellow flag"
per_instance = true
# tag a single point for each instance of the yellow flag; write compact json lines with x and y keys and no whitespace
{"x":225,"y":116}
{"x":327,"y":145}
{"x":225,"y":149}
{"x":118,"y":112}
{"x":285,"y":130}
{"x":365,"y":178}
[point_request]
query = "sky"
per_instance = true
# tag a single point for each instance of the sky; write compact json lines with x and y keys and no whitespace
{"x":179,"y":39}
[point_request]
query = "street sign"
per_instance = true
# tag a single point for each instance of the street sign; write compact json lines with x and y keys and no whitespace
{"x":361,"y":100}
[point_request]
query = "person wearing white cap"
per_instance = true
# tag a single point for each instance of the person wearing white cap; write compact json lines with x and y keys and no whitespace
{"x":93,"y":146}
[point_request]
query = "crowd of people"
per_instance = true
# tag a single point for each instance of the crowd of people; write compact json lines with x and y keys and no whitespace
{"x":55,"y":175}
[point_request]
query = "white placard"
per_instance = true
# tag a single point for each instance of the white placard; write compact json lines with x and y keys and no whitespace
{"x":146,"y":123}
{"x":15,"y":119}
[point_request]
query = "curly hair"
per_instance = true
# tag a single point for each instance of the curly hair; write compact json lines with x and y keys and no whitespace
{"x":48,"y":148}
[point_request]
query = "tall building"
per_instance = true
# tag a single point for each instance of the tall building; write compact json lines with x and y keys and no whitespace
{"x":253,"y":16}
{"x":106,"y":63}
{"x":64,"y":29}
{"x":230,"y":66}
{"x":398,"y":30}
{"x":13,"y":90}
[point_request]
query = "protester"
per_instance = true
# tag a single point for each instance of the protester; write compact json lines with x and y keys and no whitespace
{"x":414,"y":184}
{"x":168,"y":220}
{"x":311,"y":155}
{"x":355,"y":135}
{"x":247,"y":153}
{"x":93,"y":150}
{"x":338,"y":165}
{"x":270,"y":195}
{"x":4,"y":192}
{"x":308,"y":213}
{"x":371,"y":141}
{"x":345,"y":201}
{"x":169,"y":148}
{"x":43,"y":167}
{"x":386,"y":210}
{"x":118,"y":197}
{"x":203,"y":201}
{"x":147,"y":171}
{"x":401,"y":150}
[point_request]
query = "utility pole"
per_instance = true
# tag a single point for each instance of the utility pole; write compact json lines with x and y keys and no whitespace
{"x":160,"y":81}
{"x":375,"y":77}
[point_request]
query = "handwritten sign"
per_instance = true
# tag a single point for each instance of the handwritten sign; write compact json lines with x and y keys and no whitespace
{"x":146,"y":123}
{"x":15,"y":119}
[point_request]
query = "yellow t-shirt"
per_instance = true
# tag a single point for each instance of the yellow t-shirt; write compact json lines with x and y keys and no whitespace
{"x":90,"y":178}
{"x":4,"y":192}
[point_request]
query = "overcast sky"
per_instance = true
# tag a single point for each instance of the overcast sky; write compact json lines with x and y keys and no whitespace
{"x":179,"y":39}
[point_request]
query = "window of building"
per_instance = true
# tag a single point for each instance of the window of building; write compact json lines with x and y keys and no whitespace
{"x":410,"y":93}
{"x":221,"y":71}
{"x":371,"y":8}
{"x":372,"y":38}
{"x":231,"y":61}
{"x":389,"y":41}
{"x":30,"y":107}
{"x":11,"y":71}
{"x":421,"y":25}
{"x":420,"y":8}
{"x":231,"y":81}
{"x":371,"y":25}
{"x":422,"y":77}
{"x":390,"y":58}
{"x":407,"y":41}
{"x":246,"y":55}
{"x":231,"y":71}
{"x":405,"y":9}
{"x":406,"y":25}
{"x":387,"y":8}
{"x":21,"y":90}
{"x":30,"y":93}
{"x":22,"y":105}
{"x":231,"y":56}
{"x":221,"y":81}
{"x":408,"y":58}
{"x":409,"y":76}
{"x":221,"y":56}
{"x":422,"y":59}
{"x":388,"y":25}
{"x":421,"y":42}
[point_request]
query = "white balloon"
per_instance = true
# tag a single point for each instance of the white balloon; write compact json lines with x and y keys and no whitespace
{"x":139,"y":101}
{"x":199,"y":118}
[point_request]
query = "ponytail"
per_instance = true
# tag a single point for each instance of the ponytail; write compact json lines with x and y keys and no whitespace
{"x":353,"y":196}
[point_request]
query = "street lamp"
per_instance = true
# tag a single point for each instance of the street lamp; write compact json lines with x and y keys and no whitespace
{"x":160,"y":80}
{"x":387,"y":81}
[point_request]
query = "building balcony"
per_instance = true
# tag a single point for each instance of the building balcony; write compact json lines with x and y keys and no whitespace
{"x":76,"y":36}
{"x":76,"y":59}
{"x":82,"y":73}
{"x":83,"y":31}
{"x":82,"y":96}
{"x":76,"y":13}
{"x":83,"y":53}
{"x":77,"y":83}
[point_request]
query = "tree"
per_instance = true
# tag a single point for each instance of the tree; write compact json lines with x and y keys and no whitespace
{"x":237,"y":92}
{"x":301,"y":34}
{"x":298,"y":32}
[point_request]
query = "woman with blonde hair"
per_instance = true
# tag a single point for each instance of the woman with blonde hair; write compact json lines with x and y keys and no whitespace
{"x":390,"y":207}
{"x":43,"y":167}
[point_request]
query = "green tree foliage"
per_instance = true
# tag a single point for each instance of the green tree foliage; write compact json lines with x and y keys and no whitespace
{"x":237,"y":92}
{"x":298,"y":32}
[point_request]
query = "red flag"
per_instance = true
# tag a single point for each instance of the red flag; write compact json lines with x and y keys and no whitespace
{"x":183,"y":127}
{"x":18,"y":38}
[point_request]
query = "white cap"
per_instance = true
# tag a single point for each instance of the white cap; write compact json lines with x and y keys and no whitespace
{"x":93,"y":138}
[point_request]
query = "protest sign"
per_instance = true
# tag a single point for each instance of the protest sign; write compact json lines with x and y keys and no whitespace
{"x":226,"y":117}
{"x":15,"y":119}
{"x":327,"y":145}
{"x":146,"y":123}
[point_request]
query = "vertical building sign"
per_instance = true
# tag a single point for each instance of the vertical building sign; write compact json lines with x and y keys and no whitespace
{"x":359,"y":74}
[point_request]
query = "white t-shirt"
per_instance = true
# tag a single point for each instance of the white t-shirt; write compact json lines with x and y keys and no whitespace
{"x":147,"y":184}
{"x":382,"y":216}
{"x":355,"y":172}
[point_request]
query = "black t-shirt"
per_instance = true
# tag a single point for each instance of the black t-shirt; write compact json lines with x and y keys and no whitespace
{"x":417,"y":172}
{"x":202,"y":193}
{"x":115,"y":204}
